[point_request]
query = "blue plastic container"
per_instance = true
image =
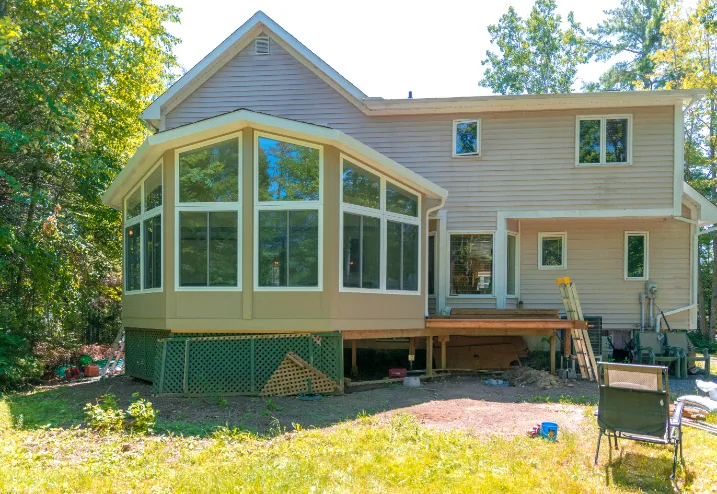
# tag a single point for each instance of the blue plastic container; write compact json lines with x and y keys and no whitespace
{"x":549,"y":431}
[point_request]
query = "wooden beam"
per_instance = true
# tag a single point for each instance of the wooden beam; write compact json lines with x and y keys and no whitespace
{"x":429,"y":355}
{"x":501,"y":323}
{"x":552,"y":354}
{"x":364,"y":334}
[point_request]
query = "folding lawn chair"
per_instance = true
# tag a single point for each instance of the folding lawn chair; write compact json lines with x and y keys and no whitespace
{"x":651,"y":351}
{"x":679,"y":340}
{"x":634,"y":404}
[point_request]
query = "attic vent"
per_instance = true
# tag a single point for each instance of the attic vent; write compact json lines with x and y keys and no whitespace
{"x":261,"y":44}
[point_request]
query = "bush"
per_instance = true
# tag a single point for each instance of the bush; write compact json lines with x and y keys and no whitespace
{"x":18,"y":365}
{"x":699,"y":340}
{"x":106,"y":416}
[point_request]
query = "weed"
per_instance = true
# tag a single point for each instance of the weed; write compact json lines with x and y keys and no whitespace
{"x":273,"y":406}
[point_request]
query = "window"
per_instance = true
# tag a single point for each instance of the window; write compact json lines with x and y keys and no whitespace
{"x":512,"y":259}
{"x":288,"y":210}
{"x":471,"y":269}
{"x":209,"y":215}
{"x":143,"y":234}
{"x":604,"y":140}
{"x":466,"y":137}
{"x":552,"y":250}
{"x":380,"y":226}
{"x":432,"y":264}
{"x":637,"y":256}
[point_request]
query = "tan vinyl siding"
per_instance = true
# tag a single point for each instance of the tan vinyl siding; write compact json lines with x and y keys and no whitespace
{"x":527,"y":162}
{"x":595,"y":263}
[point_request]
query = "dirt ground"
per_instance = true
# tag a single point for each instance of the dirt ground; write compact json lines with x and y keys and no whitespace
{"x":458,"y":402}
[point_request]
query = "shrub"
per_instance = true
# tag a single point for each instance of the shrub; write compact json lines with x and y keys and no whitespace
{"x":106,"y":416}
{"x":18,"y":365}
{"x":700,"y":340}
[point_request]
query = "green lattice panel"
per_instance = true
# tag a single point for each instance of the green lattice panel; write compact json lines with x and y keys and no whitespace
{"x":141,"y":352}
{"x":219,"y":366}
{"x":173,"y":379}
{"x":151,"y":351}
{"x":269,"y":353}
{"x":326,"y":349}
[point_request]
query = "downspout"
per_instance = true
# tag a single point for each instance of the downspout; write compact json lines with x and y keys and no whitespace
{"x":429,"y":211}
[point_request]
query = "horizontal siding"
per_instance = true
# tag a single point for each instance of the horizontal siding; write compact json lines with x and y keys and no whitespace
{"x":595,"y":264}
{"x":527,"y":162}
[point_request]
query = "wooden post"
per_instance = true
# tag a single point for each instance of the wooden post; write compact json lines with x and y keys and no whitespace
{"x":429,"y":355}
{"x":552,"y":353}
{"x":444,"y":340}
{"x":567,"y":342}
{"x":412,"y":346}
{"x":354,"y":366}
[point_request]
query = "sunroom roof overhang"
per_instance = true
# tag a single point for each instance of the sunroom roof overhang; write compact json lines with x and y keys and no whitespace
{"x":155,"y":145}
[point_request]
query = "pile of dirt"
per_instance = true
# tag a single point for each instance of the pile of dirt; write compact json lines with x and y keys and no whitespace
{"x":525,"y":376}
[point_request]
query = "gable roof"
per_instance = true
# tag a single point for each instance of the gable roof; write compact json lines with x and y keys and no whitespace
{"x":708,"y":211}
{"x":155,"y":145}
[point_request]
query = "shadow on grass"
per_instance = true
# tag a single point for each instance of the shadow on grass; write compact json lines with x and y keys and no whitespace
{"x":645,"y":469}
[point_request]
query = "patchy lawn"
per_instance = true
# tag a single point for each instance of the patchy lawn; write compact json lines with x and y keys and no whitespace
{"x":453,"y":435}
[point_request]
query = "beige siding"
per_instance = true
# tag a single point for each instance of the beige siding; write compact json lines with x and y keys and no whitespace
{"x":528,"y":160}
{"x":595,"y":263}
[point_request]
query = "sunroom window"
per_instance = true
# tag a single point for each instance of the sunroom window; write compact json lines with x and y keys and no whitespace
{"x":380,"y":227}
{"x":288,"y":213}
{"x":209,"y":215}
{"x":143,"y":234}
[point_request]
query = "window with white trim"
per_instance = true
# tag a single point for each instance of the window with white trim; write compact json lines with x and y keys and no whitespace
{"x":512,"y":260}
{"x":471,"y":263}
{"x":143,"y":234}
{"x":466,"y":137}
{"x":552,"y":250}
{"x":288,"y":209}
{"x":208,"y":204}
{"x":637,"y":248}
{"x":604,"y":140}
{"x":380,"y":233}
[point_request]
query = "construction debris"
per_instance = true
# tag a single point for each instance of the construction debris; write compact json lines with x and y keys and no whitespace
{"x":525,"y":376}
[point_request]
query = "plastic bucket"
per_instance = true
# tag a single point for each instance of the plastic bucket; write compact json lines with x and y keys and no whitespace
{"x":549,"y":431}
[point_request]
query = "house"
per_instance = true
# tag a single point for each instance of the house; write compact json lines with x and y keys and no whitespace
{"x":279,"y":209}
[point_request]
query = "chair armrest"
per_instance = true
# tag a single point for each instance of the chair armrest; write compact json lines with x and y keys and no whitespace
{"x":676,"y":419}
{"x":705,"y":351}
{"x":675,"y":351}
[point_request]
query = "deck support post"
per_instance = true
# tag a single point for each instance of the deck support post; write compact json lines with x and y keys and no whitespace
{"x":552,"y":353}
{"x":354,"y":366}
{"x":429,"y":356}
{"x":444,"y":341}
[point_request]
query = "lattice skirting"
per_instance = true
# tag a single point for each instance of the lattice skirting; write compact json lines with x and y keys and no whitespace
{"x":201,"y":364}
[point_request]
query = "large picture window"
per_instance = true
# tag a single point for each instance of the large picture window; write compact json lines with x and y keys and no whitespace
{"x":380,"y":233}
{"x":143,"y":234}
{"x":288,"y":208}
{"x":209,"y":215}
{"x":604,"y":140}
{"x":471,"y":263}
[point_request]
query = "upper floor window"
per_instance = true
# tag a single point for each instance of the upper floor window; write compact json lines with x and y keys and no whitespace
{"x":604,"y":140}
{"x":552,"y":250}
{"x":380,"y":233}
{"x":209,"y":215}
{"x":471,"y":263}
{"x":143,"y":234}
{"x":466,"y":137}
{"x":288,"y":208}
{"x":636,"y":255}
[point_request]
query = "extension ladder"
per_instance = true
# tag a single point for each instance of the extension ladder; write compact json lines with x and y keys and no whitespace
{"x":114,"y":356}
{"x":581,"y":340}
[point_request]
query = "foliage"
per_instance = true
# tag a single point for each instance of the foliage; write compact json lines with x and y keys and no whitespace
{"x":536,"y":55}
{"x":74,"y":76}
{"x":106,"y":416}
{"x":699,"y":340}
{"x":17,"y":363}
{"x":632,"y":31}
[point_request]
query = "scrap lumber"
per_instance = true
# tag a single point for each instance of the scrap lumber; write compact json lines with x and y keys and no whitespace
{"x":292,"y":377}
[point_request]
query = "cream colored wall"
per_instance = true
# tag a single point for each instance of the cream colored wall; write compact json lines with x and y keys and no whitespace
{"x":250,"y":310}
{"x":595,"y":264}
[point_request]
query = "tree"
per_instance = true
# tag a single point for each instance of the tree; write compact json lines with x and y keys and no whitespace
{"x":536,"y":55}
{"x":74,"y":76}
{"x":633,"y":30}
{"x":689,"y":60}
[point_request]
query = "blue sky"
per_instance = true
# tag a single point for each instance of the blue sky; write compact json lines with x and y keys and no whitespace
{"x":385,"y":48}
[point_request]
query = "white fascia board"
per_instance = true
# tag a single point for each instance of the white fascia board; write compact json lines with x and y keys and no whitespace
{"x":233,"y":45}
{"x":154,"y":146}
{"x":707,"y":210}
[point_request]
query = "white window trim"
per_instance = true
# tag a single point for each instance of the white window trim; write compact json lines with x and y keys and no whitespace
{"x":517,"y":266}
{"x":603,"y":119}
{"x":384,"y":216}
{"x":217,"y":207}
{"x":641,"y":233}
{"x":139,"y":220}
{"x":288,"y":206}
{"x":564,"y":236}
{"x":478,"y":137}
{"x":435,"y":265}
{"x":448,"y":274}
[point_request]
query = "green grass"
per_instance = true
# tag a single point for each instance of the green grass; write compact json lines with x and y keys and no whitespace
{"x":367,"y":454}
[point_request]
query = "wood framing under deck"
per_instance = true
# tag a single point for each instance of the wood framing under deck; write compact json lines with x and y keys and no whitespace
{"x":452,"y":326}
